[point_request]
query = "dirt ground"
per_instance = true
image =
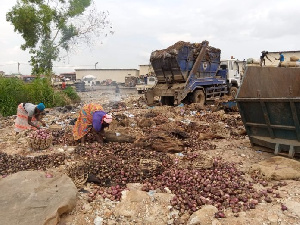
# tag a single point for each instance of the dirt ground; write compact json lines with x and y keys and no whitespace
{"x":233,"y":146}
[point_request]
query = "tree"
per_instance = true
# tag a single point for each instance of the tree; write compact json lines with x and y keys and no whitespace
{"x":50,"y":27}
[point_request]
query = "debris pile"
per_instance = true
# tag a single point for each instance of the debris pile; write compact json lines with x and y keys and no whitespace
{"x":164,"y":151}
{"x":173,"y":50}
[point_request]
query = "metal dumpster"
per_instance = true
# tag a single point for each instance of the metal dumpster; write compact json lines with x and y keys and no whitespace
{"x":269,"y":104}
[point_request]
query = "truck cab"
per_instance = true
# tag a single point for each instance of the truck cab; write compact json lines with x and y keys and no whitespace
{"x":230,"y":69}
{"x":146,"y":83}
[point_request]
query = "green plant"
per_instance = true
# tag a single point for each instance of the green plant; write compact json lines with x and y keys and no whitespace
{"x":12,"y":93}
{"x":40,"y":90}
{"x":72,"y":94}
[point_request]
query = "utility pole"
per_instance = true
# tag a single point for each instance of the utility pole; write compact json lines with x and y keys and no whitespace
{"x":96,"y":64}
{"x":18,"y":68}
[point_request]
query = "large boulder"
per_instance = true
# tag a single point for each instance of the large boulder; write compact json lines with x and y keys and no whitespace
{"x":35,"y":198}
{"x":278,"y":168}
{"x":203,"y":216}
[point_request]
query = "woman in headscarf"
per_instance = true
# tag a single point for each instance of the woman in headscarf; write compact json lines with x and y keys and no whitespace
{"x":91,"y":118}
{"x":28,"y":116}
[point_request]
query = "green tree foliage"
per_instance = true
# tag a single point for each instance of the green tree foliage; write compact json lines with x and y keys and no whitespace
{"x":49,"y":27}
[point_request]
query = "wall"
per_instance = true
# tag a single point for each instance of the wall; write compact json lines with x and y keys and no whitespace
{"x":145,"y":69}
{"x":117,"y":75}
{"x":287,"y":55}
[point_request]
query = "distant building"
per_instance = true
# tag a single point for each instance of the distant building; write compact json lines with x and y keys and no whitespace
{"x":146,"y":69}
{"x":27,"y":78}
{"x":287,"y":55}
{"x":117,"y":75}
{"x":71,"y":76}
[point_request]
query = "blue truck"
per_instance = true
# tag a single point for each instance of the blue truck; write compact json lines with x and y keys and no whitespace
{"x":188,"y":73}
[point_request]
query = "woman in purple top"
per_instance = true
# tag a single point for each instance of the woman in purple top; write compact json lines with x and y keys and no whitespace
{"x":91,"y":118}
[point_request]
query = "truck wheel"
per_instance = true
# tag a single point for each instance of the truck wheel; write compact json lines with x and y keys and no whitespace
{"x":167,"y":100}
{"x":140,"y":92}
{"x":233,"y":91}
{"x":199,"y":97}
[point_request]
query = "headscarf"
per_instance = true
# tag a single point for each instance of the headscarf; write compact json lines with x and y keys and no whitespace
{"x":107,"y":118}
{"x":41,"y":107}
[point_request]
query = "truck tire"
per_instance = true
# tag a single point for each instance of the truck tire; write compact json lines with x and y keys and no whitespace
{"x":163,"y":100}
{"x":233,"y":92}
{"x":199,"y":97}
{"x":167,"y":100}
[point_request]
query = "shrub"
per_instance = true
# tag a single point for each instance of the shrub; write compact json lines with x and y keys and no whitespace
{"x":40,"y":90}
{"x":14,"y":91}
{"x":72,"y":94}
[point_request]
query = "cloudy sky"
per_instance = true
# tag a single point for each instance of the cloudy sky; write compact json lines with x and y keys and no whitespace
{"x":239,"y":28}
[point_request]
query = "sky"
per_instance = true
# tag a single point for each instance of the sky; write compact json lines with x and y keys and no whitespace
{"x":241,"y":29}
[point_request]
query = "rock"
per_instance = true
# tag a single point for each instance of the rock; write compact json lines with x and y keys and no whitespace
{"x":98,"y":220}
{"x":30,"y":198}
{"x":143,"y":208}
{"x":278,"y":168}
{"x":293,"y":207}
{"x":86,"y":208}
{"x":203,"y":216}
{"x":215,"y":222}
{"x":184,"y":218}
{"x":70,"y":150}
{"x":134,"y":186}
{"x":273,"y":219}
{"x":107,"y":213}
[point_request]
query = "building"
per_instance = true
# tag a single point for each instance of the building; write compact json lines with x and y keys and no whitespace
{"x":146,"y":69}
{"x":117,"y":75}
{"x":275,"y":55}
{"x":69,"y":76}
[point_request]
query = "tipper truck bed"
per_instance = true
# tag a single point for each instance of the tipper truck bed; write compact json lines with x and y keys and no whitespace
{"x":186,"y":72}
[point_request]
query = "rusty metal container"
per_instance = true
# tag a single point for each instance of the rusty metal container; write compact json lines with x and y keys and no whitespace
{"x":269,"y":104}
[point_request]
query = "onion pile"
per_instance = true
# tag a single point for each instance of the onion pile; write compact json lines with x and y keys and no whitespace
{"x":15,"y":163}
{"x":118,"y":164}
{"x":222,"y":186}
{"x":40,"y":139}
{"x":63,"y":137}
{"x":114,"y":193}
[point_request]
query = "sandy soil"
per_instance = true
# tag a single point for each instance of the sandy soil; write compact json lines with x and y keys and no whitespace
{"x":234,"y":149}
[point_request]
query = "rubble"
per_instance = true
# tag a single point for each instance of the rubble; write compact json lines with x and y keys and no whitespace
{"x":142,"y":145}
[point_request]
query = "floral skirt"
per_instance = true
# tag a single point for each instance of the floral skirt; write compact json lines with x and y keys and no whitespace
{"x":83,"y":124}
